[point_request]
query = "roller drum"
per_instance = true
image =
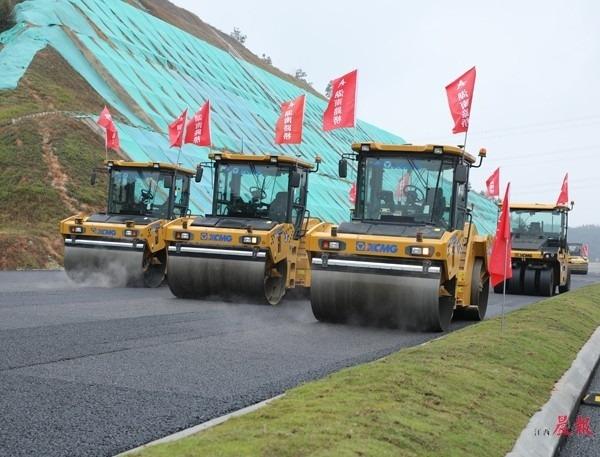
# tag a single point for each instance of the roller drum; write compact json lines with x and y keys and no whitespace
{"x":104,"y":267}
{"x":226,"y":279}
{"x":366,"y":298}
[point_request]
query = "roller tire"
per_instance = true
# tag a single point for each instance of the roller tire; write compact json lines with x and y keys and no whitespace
{"x":547,"y":284}
{"x":529,"y":282}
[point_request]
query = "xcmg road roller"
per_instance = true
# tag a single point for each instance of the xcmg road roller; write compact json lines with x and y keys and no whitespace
{"x":579,"y":260}
{"x":411,"y":256}
{"x":253,"y":245}
{"x":540,"y":255}
{"x":124,"y":245}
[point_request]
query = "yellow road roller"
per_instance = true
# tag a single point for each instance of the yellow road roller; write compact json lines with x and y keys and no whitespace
{"x":124,"y":246}
{"x":578,"y":259}
{"x":411,"y":256}
{"x":252,"y":247}
{"x":540,"y":255}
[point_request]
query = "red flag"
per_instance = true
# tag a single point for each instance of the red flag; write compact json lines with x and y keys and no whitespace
{"x":340,"y":111}
{"x":563,"y":197}
{"x":402,"y":183}
{"x":493,"y":184}
{"x":500,"y":267}
{"x":198,"y":128}
{"x":352,"y":194}
{"x":176,"y":130}
{"x":460,"y":96}
{"x":288,"y":129}
{"x":105,"y":119}
{"x":112,"y":137}
{"x":585,"y":250}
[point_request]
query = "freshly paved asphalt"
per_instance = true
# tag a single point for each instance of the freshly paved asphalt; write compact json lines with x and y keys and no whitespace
{"x":93,"y":371}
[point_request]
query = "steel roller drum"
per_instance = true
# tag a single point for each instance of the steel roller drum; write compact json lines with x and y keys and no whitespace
{"x":370,"y":293}
{"x":225,"y":274}
{"x":105,"y":266}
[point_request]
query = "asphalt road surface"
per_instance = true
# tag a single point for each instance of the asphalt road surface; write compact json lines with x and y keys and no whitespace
{"x":93,"y":371}
{"x":579,"y":444}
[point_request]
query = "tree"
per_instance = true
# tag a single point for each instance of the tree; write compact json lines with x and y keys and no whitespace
{"x":266,"y":59}
{"x":301,"y":75}
{"x":328,"y":89}
{"x":238,"y":36}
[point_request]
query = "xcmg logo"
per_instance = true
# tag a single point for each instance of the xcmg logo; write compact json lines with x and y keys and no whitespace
{"x":376,"y":247}
{"x":215,"y":237}
{"x":105,"y":232}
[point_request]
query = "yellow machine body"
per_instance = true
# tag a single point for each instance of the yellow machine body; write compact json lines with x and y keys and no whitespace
{"x":125,"y":245}
{"x":397,"y":267}
{"x":578,"y":263}
{"x":539,"y":255}
{"x":253,"y":245}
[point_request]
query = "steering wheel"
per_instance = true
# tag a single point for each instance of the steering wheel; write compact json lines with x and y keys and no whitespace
{"x":258,"y":193}
{"x":419,"y":192}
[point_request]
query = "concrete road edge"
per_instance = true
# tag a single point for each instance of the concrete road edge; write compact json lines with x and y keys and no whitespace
{"x":565,"y":400}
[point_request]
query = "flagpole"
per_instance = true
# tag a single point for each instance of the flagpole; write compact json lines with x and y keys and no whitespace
{"x":185,"y":121}
{"x":465,"y":140}
{"x":504,"y":288}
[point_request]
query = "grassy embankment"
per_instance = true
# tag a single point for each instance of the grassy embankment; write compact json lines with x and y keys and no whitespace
{"x":46,"y":161}
{"x":468,"y":394}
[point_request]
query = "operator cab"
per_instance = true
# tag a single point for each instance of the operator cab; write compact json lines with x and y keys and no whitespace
{"x":536,"y":226}
{"x":409,"y":187}
{"x":257,"y":191}
{"x":145,"y":191}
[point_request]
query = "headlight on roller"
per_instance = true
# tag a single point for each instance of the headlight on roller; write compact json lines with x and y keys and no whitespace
{"x":422,"y":251}
{"x":185,"y":236}
{"x":249,"y":239}
{"x":77,"y":229}
{"x":130,"y":233}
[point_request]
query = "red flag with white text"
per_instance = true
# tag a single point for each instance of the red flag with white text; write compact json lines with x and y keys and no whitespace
{"x":563,"y":197}
{"x":340,"y":111}
{"x":493,"y":184}
{"x":288,"y":129}
{"x":176,"y":130}
{"x":198,"y":128}
{"x":500,"y":266}
{"x":460,"y":96}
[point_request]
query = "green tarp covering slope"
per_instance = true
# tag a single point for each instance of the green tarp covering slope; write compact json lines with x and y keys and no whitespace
{"x":150,"y":71}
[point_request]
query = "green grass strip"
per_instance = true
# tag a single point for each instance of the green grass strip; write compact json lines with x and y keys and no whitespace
{"x":467,"y":394}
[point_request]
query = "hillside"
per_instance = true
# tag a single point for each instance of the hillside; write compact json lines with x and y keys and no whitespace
{"x":47,"y":159}
{"x":48,"y":156}
{"x":589,"y":234}
{"x":147,"y":60}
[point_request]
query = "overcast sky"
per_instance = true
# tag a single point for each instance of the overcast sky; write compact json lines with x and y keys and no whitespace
{"x":536,"y":106}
